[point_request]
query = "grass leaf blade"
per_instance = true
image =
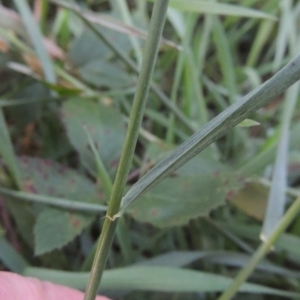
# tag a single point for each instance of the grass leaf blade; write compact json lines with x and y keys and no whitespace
{"x":216,"y":128}
{"x":215,"y":8}
{"x":277,"y":196}
{"x":148,"y":278}
{"x":37,"y":39}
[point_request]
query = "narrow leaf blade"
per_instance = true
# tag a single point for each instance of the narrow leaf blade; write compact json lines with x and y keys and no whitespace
{"x":146,"y":278}
{"x":216,"y":128}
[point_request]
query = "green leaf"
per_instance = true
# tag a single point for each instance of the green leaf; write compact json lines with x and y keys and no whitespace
{"x":103,"y":74}
{"x":10,"y":257}
{"x":43,"y":176}
{"x":175,"y":280}
{"x":116,"y":29}
{"x":177,"y":259}
{"x":146,"y":278}
{"x":228,"y":258}
{"x":252,"y":199}
{"x":7,"y":150}
{"x":24,"y":218}
{"x":56,"y":228}
{"x":105,"y":126}
{"x":62,"y":90}
{"x":199,"y":186}
{"x":80,"y":52}
{"x":215,"y":8}
{"x":248,"y":123}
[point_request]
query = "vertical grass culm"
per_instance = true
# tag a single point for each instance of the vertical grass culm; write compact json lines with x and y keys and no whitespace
{"x":150,"y":54}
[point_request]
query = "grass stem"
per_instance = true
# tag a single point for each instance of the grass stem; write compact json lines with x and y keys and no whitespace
{"x":109,"y":227}
{"x":261,"y":251}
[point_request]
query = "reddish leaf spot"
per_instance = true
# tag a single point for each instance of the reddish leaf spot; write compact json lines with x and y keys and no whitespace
{"x":45,"y":176}
{"x":62,"y":169}
{"x":75,"y":222}
{"x":226,"y":182}
{"x":100,"y":194}
{"x":241,"y":179}
{"x":30,"y":188}
{"x":91,"y":129}
{"x":51,"y":190}
{"x":47,"y":163}
{"x":24,"y":161}
{"x":216,"y":174}
{"x":72,"y":181}
{"x":134,"y":212}
{"x":231,"y":194}
{"x":154,"y":212}
{"x":39,"y":167}
{"x":186,"y":184}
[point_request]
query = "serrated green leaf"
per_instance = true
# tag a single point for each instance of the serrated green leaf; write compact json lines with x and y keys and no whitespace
{"x":80,"y":52}
{"x":105,"y":126}
{"x":56,"y":228}
{"x":46,"y":177}
{"x":194,"y":191}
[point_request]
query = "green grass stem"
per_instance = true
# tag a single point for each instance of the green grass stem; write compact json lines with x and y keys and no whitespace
{"x":92,"y":208}
{"x":139,"y":102}
{"x":262,"y":251}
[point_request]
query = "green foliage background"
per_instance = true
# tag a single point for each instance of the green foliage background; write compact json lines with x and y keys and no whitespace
{"x":65,"y":98}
